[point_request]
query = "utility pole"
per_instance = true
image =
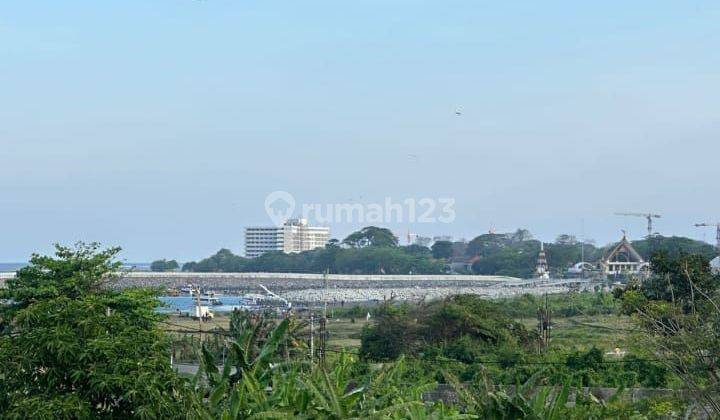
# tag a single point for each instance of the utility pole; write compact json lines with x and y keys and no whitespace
{"x":547,"y":312}
{"x":582,"y":250}
{"x":325,"y":289}
{"x":323,"y":321}
{"x":312,"y":337}
{"x":582,"y":260}
{"x":544,"y":326}
{"x":199,"y":313}
{"x":321,"y":349}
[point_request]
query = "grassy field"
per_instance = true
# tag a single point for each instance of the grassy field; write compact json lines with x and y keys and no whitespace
{"x":582,"y":332}
{"x":603,"y":331}
{"x":177,"y":323}
{"x":345,"y":334}
{"x":606,"y":332}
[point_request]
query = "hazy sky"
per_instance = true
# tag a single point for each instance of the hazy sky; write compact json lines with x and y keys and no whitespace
{"x":161,"y":125}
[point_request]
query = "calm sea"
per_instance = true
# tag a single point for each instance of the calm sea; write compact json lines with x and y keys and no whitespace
{"x":11,"y":267}
{"x":187,"y":303}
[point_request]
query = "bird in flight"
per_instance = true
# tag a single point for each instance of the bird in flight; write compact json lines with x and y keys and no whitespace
{"x":458,"y":113}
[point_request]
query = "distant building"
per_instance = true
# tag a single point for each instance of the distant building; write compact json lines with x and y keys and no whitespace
{"x":623,"y":259}
{"x":715,"y":265}
{"x":445,"y":238}
{"x":293,"y":236}
{"x":461,"y":265}
{"x":581,"y":269}
{"x":259,"y":240}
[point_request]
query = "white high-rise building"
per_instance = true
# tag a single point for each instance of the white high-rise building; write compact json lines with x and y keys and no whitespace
{"x":293,"y":236}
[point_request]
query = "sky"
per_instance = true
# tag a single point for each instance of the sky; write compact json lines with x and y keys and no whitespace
{"x":161,"y":126}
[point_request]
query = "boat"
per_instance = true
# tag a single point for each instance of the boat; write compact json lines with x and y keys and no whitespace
{"x":209,"y":299}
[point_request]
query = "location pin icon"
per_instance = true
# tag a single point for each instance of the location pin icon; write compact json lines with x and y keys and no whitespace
{"x":279,"y":206}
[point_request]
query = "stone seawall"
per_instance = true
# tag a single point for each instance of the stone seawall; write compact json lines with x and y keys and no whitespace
{"x":301,"y":287}
{"x":294,"y":281}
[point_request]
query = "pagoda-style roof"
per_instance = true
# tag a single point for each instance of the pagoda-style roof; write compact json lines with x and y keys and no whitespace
{"x":623,"y":252}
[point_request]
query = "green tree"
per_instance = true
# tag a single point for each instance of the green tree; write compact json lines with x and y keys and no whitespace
{"x":417,"y":250}
{"x":679,"y":277}
{"x":324,"y":258}
{"x":464,"y":326}
{"x":651,"y":374}
{"x":486,"y":244}
{"x":164,"y":265}
{"x":172,"y":265}
{"x":678,"y":312}
{"x":384,"y":260}
{"x":517,"y":259}
{"x":70,"y":347}
{"x":673,"y":246}
{"x":391,"y":334}
{"x":442,"y":249}
{"x":521,"y":235}
{"x":223,"y":261}
{"x":371,"y":236}
{"x":565,"y":239}
{"x":505,"y":254}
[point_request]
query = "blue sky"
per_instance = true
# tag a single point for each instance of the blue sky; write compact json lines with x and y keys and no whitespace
{"x":160,"y":126}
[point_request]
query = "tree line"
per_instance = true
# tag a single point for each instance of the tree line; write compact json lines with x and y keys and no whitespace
{"x":371,"y":250}
{"x":374,"y":250}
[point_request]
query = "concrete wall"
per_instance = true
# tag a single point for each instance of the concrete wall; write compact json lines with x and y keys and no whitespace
{"x":446,"y":393}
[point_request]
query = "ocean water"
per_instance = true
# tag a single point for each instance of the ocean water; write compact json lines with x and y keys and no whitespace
{"x":11,"y":267}
{"x":187,"y":303}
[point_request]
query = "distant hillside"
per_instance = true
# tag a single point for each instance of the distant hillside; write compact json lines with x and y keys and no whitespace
{"x":673,"y":245}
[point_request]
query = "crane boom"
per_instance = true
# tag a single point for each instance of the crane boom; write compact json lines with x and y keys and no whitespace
{"x":717,"y":232}
{"x":648,"y":216}
{"x":639,"y":214}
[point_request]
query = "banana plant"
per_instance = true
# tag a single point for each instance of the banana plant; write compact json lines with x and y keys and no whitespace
{"x":490,"y":402}
{"x":241,"y":389}
{"x":257,"y":381}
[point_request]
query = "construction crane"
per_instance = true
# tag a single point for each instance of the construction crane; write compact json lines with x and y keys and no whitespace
{"x":648,"y":216}
{"x":717,"y":232}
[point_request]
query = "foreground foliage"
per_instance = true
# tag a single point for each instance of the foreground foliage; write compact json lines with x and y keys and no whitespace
{"x":71,"y":348}
{"x":471,"y":337}
{"x":345,"y":387}
{"x":678,"y":310}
